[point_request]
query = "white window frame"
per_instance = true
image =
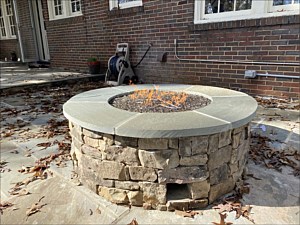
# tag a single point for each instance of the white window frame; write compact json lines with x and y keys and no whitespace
{"x":7,"y":24}
{"x":66,"y":10}
{"x":113,"y":4}
{"x":259,"y":9}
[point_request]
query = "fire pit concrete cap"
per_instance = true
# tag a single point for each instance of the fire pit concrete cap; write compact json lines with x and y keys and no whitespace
{"x":229,"y":109}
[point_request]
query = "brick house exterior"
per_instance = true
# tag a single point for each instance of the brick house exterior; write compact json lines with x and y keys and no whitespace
{"x":159,"y":22}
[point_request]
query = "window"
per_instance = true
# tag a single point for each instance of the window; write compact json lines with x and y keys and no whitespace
{"x":60,"y":9}
{"x":225,"y":10}
{"x":7,"y":20}
{"x":122,"y":4}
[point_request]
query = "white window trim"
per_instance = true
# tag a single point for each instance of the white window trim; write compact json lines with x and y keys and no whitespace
{"x":114,"y":4}
{"x":67,"y":10}
{"x":260,"y":9}
{"x":6,"y":23}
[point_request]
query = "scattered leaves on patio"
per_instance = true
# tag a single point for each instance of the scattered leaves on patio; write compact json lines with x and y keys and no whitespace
{"x":5,"y":205}
{"x":188,"y":213}
{"x":262,"y":153}
{"x":133,"y":222}
{"x":268,"y":102}
{"x":232,"y":203}
{"x":222,"y":220}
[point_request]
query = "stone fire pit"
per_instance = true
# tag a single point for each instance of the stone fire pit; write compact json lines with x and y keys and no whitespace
{"x":165,"y":161}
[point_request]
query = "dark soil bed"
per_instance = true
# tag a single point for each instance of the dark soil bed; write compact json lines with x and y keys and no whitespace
{"x":154,"y":101}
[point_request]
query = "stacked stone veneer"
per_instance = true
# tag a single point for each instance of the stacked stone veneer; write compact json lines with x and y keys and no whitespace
{"x":139,"y":171}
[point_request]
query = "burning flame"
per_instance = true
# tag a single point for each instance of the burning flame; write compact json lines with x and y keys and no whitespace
{"x":169,"y":99}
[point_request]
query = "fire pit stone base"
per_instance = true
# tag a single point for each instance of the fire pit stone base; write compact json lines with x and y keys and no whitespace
{"x":160,"y":173}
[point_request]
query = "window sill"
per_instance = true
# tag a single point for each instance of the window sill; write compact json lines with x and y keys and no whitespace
{"x":8,"y":38}
{"x":66,"y":20}
{"x":126,"y":11}
{"x":64,"y":17}
{"x":257,"y":22}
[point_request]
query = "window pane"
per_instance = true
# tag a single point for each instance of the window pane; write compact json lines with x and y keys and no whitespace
{"x":219,"y":6}
{"x":243,"y":4}
{"x":2,"y":26}
{"x":211,"y":6}
{"x":124,"y":1}
{"x":75,"y":5}
{"x":226,"y":5}
{"x":58,"y":7}
{"x":282,"y":2}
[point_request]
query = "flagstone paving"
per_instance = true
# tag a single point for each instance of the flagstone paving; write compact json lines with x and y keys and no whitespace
{"x":28,"y":120}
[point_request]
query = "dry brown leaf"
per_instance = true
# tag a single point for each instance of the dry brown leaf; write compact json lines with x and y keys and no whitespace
{"x":227,"y":207}
{"x":34,"y":209}
{"x":98,"y":210}
{"x":24,"y":169}
{"x":14,"y":152}
{"x":251,"y":175}
{"x":25,"y":181}
{"x":44,"y":145}
{"x":5,"y":205}
{"x":188,"y":213}
{"x":23,"y":192}
{"x":133,"y":222}
{"x":3,"y":163}
{"x":19,"y":192}
{"x":222,"y":220}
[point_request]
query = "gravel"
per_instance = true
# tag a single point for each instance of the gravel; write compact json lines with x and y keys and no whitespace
{"x":154,"y":101}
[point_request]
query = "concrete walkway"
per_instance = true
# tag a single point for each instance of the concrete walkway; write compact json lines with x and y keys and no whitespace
{"x":15,"y":74}
{"x":27,"y":121}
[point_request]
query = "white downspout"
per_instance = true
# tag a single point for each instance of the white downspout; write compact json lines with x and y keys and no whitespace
{"x":18,"y":27}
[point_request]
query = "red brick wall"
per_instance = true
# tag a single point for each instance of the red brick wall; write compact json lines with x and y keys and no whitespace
{"x":8,"y":46}
{"x":96,"y":33}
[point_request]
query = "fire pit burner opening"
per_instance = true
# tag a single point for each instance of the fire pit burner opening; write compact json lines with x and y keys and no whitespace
{"x":157,"y":101}
{"x":163,"y":161}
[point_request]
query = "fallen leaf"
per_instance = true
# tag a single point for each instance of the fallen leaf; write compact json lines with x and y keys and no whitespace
{"x":98,"y":210}
{"x":222,"y":220}
{"x":133,"y":222}
{"x":3,"y":163}
{"x":25,"y":181}
{"x":14,"y":152}
{"x":5,"y":205}
{"x":188,"y":213}
{"x":223,"y":207}
{"x":23,"y":192}
{"x":36,"y":207}
{"x":44,"y":145}
{"x":19,"y":192}
{"x":251,"y":175}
